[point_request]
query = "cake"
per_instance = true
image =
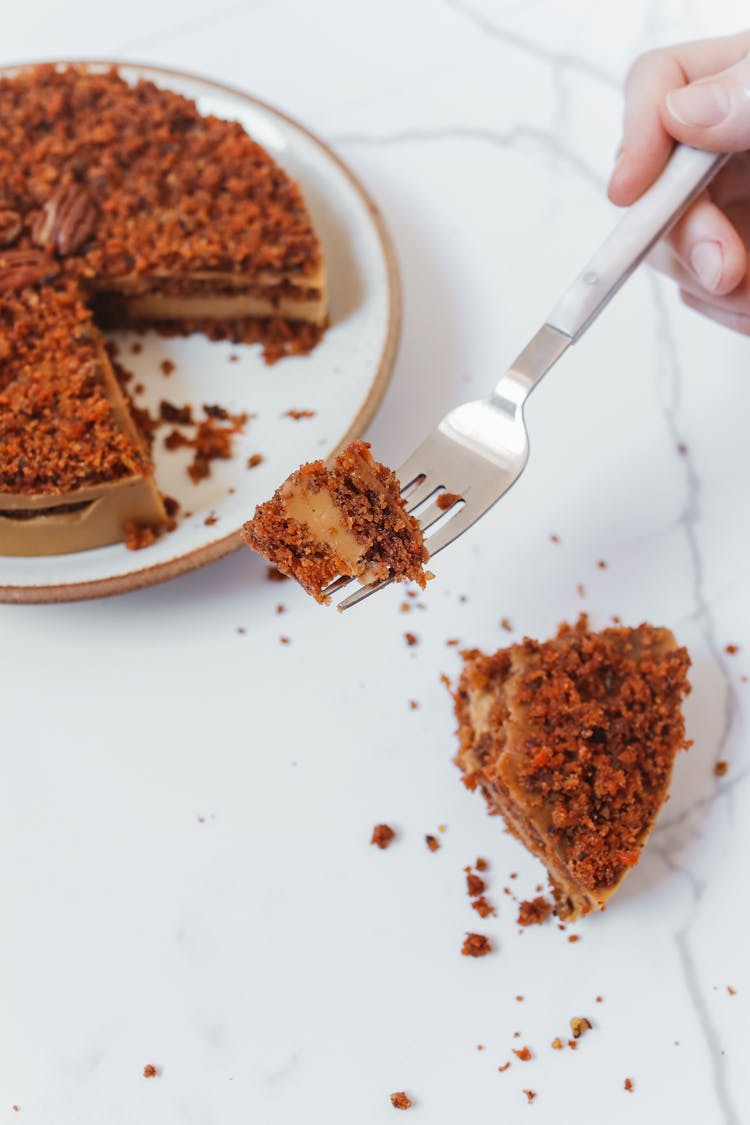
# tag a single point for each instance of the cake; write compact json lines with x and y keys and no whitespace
{"x":348,"y":519}
{"x":121,"y":205}
{"x":572,"y":741}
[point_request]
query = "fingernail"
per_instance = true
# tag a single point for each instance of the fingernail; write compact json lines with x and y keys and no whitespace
{"x":707,"y":263}
{"x":704,"y":104}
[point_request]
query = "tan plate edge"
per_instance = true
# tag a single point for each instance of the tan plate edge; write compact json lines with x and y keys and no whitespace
{"x":201,"y":556}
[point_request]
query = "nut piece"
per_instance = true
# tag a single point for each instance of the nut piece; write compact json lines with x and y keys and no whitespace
{"x":579,"y":1025}
{"x":67,"y":220}
{"x":21,"y":268}
{"x":10,"y":226}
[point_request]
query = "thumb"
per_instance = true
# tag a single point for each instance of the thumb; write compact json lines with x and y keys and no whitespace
{"x":713,"y":113}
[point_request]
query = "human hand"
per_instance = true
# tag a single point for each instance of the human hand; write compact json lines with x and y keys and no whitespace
{"x":699,"y":94}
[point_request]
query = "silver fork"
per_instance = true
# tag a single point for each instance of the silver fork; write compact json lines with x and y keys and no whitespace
{"x":480,"y":449}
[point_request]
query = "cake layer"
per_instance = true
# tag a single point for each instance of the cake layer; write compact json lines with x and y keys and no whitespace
{"x":573,"y":742}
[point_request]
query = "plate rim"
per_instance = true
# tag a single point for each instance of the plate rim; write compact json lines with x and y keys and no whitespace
{"x":145,"y":576}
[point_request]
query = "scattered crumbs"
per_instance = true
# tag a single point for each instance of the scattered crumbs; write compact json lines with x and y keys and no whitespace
{"x":514,"y":875}
{"x":442,"y":827}
{"x":682,"y":450}
{"x":254,"y":460}
{"x":574,"y":937}
{"x":554,"y":538}
{"x":297,"y":414}
{"x":530,"y":1095}
{"x":400,"y":1100}
{"x":483,"y":907}
{"x":167,"y":366}
{"x":523,"y":1053}
{"x":720,"y":768}
{"x":150,"y":1071}
{"x":136,"y":537}
{"x":404,"y":607}
{"x":475,"y":885}
{"x":731,"y":991}
{"x":280,"y":608}
{"x":273,"y":574}
{"x":413,"y":705}
{"x":171,"y":506}
{"x":445,"y":680}
{"x":284,"y":640}
{"x":599,"y":999}
{"x":476,"y":945}
{"x":504,"y":1067}
{"x":629,"y":1085}
{"x":481,"y":864}
{"x":432,"y":843}
{"x":211,"y":519}
{"x":138,"y":389}
{"x":411,"y":593}
{"x":177,"y":415}
{"x":241,"y":630}
{"x":480,"y":1046}
{"x":506,"y":624}
{"x":411,"y":639}
{"x":16,"y":1108}
{"x":731,"y":649}
{"x":452,"y":642}
{"x":516,"y":1034}
{"x":572,"y":1044}
{"x":601,"y":564}
{"x":382,"y":834}
{"x":616,"y":619}
{"x":557,"y":1043}
{"x":519,"y":998}
{"x":581,"y":590}
{"x":136,"y":347}
{"x":579,"y":1025}
{"x":532,"y":912}
{"x":188,"y":515}
{"x":233,"y":357}
{"x":538,"y":888}
{"x":447,"y":499}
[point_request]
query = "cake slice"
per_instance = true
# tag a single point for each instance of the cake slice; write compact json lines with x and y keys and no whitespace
{"x":572,"y":741}
{"x":346,"y":519}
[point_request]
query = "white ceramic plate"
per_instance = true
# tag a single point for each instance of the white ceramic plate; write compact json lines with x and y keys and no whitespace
{"x":342,"y":380}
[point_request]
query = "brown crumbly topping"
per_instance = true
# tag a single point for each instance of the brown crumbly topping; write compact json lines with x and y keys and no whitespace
{"x":481,"y":864}
{"x":368,"y":497}
{"x":150,"y":1071}
{"x":476,"y":945}
{"x":532,"y":912}
{"x":582,"y":735}
{"x":382,"y":834}
{"x":557,"y":1043}
{"x":432,"y":843}
{"x":579,"y":1025}
{"x":177,"y":415}
{"x":136,"y":537}
{"x":483,"y":907}
{"x":400,"y":1100}
{"x":523,"y":1053}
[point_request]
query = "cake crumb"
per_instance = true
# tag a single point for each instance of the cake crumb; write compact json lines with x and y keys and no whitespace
{"x":506,"y":625}
{"x":599,"y":999}
{"x":280,"y":608}
{"x":480,"y":1046}
{"x":532,"y":912}
{"x":400,"y":1100}
{"x":254,"y":460}
{"x":413,"y":705}
{"x":574,"y":937}
{"x":523,"y":1053}
{"x":720,"y":768}
{"x":284,"y":640}
{"x":382,"y":835}
{"x":176,"y":415}
{"x":475,"y":885}
{"x":530,"y":1095}
{"x":579,"y":1025}
{"x":557,"y":1043}
{"x":731,"y":649}
{"x":483,"y":907}
{"x":273,"y":574}
{"x":137,"y":537}
{"x":452,"y":642}
{"x":476,"y":945}
{"x":411,"y":639}
{"x":136,"y":347}
{"x":447,"y":499}
{"x":211,"y":519}
{"x":731,"y":991}
{"x":504,"y":1067}
{"x":233,"y":357}
{"x":602,"y":564}
{"x":629,"y":1085}
{"x":481,"y":864}
{"x":150,"y":1071}
{"x":554,"y":538}
{"x":581,"y":590}
{"x":442,"y":827}
{"x":167,"y":366}
{"x":432,"y":843}
{"x":297,"y":414}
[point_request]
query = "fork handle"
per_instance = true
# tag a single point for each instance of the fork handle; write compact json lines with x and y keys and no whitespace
{"x":685,"y":176}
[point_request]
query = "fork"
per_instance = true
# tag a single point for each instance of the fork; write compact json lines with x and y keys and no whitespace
{"x":480,"y":448}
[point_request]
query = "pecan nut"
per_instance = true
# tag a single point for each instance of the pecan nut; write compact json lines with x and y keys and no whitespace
{"x":67,"y":220}
{"x":10,"y":226}
{"x":21,"y":268}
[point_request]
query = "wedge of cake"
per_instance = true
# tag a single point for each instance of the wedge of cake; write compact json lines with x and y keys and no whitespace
{"x":344,"y":519}
{"x":123,"y":201}
{"x":572,"y":741}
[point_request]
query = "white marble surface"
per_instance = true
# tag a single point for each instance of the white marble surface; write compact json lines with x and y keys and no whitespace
{"x":185,"y":810}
